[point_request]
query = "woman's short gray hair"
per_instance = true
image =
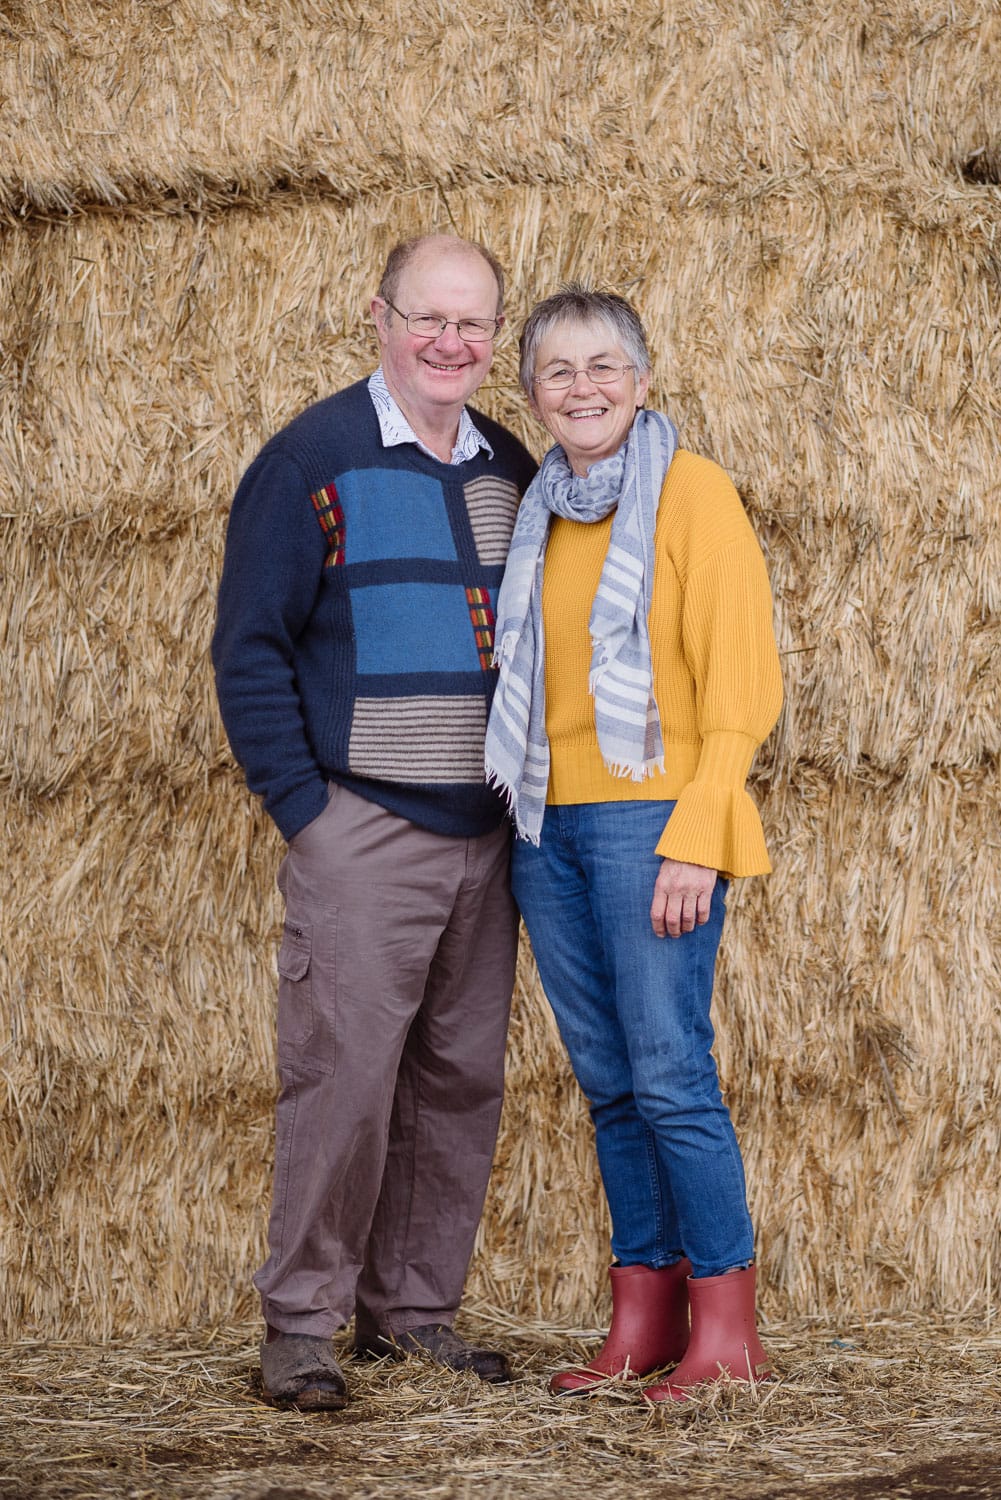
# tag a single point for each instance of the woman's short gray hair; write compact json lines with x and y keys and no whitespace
{"x":576,"y":302}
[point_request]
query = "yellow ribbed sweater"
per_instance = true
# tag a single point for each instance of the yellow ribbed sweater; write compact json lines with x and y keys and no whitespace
{"x":716,"y":669}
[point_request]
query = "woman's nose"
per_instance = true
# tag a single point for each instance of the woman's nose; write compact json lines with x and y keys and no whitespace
{"x":582,"y":378}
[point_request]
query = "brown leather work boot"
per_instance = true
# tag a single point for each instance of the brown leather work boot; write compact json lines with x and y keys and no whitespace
{"x":298,"y":1369}
{"x":441,"y":1344}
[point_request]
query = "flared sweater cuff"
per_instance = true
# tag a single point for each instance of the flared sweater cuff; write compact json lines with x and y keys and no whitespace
{"x":714,"y":822}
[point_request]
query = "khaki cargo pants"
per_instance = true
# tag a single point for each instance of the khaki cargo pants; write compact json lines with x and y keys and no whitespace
{"x":395,"y":976}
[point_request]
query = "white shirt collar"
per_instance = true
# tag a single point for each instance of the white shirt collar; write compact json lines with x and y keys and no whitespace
{"x":394,"y":427}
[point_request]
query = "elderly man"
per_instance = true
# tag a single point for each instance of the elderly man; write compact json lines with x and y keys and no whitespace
{"x":353,"y":665}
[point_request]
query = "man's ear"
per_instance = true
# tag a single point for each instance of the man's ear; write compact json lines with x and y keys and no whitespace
{"x":379,"y":309}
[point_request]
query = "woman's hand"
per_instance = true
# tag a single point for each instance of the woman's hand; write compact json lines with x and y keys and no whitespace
{"x":681,"y":897}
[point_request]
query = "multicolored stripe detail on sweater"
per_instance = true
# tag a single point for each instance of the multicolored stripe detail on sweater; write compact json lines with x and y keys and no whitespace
{"x":482,"y":615}
{"x":331,"y":518}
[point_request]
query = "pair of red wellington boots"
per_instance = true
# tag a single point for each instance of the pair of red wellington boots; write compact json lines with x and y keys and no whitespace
{"x":650,"y":1329}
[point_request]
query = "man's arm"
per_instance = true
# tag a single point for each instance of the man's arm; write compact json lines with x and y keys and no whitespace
{"x":273,"y":566}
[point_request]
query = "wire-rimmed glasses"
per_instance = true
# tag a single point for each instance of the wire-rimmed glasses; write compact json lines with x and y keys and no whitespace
{"x":430,"y":326}
{"x":599,"y":371}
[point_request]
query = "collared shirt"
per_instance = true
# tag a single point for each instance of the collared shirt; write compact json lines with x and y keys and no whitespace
{"x":395,"y":428}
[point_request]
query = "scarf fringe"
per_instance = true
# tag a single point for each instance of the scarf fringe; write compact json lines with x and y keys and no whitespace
{"x":497,"y":781}
{"x":642,"y":772}
{"x":510,"y":796}
{"x":595,"y":675}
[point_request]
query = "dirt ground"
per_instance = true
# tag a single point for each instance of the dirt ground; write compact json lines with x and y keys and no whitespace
{"x":871,"y":1411}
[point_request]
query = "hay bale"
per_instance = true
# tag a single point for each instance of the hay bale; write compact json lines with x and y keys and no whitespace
{"x":195,"y":213}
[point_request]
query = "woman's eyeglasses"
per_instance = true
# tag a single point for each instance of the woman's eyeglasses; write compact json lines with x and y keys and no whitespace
{"x":599,"y":372}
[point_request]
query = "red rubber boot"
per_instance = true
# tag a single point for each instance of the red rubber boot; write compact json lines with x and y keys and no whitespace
{"x":649,"y":1327}
{"x":724,"y":1337}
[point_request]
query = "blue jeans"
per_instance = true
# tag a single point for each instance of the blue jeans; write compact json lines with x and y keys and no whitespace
{"x":633,"y":1011}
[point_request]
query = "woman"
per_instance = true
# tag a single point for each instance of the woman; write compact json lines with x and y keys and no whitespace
{"x":638,"y":674}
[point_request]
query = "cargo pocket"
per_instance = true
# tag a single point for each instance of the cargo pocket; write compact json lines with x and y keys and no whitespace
{"x":295,"y":987}
{"x":307,"y":984}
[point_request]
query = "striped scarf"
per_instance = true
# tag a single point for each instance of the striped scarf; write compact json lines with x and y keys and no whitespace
{"x":621,"y":676}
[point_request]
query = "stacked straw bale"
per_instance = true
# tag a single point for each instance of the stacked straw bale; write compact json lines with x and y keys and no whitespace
{"x":195,"y":201}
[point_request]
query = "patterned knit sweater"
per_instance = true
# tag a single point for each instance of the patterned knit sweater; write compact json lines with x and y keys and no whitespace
{"x":716,"y":668}
{"x":355,"y":621}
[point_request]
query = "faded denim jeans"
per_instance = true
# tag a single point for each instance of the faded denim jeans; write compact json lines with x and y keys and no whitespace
{"x":633,"y":1011}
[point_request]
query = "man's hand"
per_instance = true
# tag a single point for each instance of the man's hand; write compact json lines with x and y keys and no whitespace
{"x":681,"y":897}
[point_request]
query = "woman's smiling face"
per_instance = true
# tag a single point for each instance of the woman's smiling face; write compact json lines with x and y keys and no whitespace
{"x":589,"y":419}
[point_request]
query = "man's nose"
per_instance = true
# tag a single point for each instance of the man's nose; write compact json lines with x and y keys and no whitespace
{"x":449,"y":339}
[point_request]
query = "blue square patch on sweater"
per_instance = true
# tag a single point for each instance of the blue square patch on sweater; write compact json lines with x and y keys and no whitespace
{"x":393,"y":513}
{"x":413,"y":627}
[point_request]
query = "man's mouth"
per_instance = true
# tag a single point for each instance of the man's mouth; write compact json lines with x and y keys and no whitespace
{"x":449,"y":369}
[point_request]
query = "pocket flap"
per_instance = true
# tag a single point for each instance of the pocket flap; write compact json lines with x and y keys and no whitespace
{"x":295,"y":951}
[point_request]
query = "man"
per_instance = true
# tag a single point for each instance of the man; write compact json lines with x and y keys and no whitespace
{"x":353,"y":664}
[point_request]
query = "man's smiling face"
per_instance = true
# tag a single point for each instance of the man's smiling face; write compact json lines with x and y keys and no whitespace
{"x":432,"y":378}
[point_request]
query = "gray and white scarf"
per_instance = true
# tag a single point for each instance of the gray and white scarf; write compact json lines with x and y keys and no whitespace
{"x":621,"y":676}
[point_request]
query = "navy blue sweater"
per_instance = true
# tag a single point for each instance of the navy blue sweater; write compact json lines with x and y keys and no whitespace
{"x":355,"y":622}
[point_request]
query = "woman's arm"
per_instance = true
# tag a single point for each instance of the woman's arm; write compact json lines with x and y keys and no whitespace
{"x":728,"y":649}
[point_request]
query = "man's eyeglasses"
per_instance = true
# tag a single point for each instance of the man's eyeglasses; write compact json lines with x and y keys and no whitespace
{"x":427,"y":326}
{"x":599,"y":372}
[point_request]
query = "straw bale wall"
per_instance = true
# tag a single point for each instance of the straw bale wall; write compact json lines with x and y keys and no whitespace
{"x":195,"y":201}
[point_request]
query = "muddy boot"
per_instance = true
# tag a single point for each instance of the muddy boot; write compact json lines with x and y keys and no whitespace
{"x":441,"y":1344}
{"x":300,"y":1370}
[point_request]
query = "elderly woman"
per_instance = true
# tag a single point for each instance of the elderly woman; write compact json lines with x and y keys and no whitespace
{"x":638,"y":674}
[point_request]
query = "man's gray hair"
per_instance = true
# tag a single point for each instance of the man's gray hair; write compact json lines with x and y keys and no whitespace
{"x":577,"y":302}
{"x":402,"y":254}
